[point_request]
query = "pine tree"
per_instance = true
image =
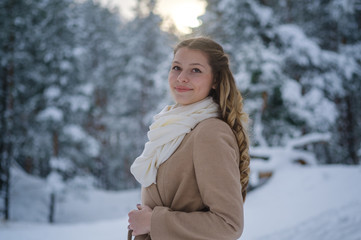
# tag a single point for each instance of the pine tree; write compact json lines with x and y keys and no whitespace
{"x":246,"y":30}
{"x":334,"y":25}
{"x":100,"y":63}
{"x":140,"y":90}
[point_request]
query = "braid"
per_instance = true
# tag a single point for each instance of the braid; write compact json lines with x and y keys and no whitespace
{"x":231,"y":104}
{"x":228,"y":97}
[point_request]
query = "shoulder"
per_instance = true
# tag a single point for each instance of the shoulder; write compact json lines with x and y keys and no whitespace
{"x":214,"y":132}
{"x":212,"y":126}
{"x":214,"y":143}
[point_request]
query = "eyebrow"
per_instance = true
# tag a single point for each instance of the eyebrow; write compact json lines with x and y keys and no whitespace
{"x":193,"y":64}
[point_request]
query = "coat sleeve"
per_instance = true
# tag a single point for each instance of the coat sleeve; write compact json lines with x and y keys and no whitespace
{"x":216,"y":160}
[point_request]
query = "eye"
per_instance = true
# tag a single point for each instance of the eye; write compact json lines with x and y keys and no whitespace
{"x":196,"y":70}
{"x":176,"y":68}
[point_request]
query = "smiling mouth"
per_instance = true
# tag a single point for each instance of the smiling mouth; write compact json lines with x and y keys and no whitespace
{"x":182,"y":89}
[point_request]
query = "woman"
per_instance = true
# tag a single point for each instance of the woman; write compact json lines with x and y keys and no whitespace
{"x":194,"y":169}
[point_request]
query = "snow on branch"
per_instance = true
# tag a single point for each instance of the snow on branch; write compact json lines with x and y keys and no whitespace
{"x":266,"y":160}
{"x":309,"y":139}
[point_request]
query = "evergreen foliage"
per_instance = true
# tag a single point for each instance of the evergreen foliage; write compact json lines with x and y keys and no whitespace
{"x":78,"y":89}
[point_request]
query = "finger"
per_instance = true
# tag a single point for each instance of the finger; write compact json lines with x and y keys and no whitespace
{"x":131,"y":213}
{"x":139,"y":206}
{"x":146,"y":207}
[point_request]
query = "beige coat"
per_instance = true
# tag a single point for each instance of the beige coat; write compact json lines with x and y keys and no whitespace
{"x":198,"y":190}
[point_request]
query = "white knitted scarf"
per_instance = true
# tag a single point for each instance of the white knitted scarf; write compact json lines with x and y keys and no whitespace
{"x":166,"y":134}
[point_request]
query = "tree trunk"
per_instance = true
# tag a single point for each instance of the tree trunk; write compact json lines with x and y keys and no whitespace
{"x":55,"y":144}
{"x":351,"y":130}
{"x":5,"y":141}
{"x":52,"y":207}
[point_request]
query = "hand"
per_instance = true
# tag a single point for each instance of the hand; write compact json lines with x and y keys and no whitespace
{"x":139,"y":220}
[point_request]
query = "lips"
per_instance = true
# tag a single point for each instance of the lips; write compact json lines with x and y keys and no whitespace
{"x":182,"y":89}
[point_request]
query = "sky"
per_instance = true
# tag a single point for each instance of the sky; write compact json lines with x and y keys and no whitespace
{"x":183,"y":13}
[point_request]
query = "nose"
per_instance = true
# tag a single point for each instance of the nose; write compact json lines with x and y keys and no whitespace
{"x":182,"y":77}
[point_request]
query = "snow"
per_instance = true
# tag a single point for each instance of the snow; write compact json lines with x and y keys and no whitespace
{"x":258,"y":129}
{"x":75,"y":132}
{"x":264,"y":14}
{"x":51,"y":113}
{"x":336,"y":224}
{"x":278,"y":158}
{"x":106,"y":230}
{"x":55,"y":182}
{"x":87,"y":88}
{"x":79,"y":103}
{"x":265,"y":158}
{"x":341,"y":7}
{"x":61,"y":164}
{"x":306,"y":106}
{"x":308,"y":139}
{"x":79,"y":202}
{"x":306,"y":50}
{"x":52,"y":92}
{"x":294,"y":196}
{"x":65,"y":65}
{"x":314,"y":203}
{"x":349,"y":65}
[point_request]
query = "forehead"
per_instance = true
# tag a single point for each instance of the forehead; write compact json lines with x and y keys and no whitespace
{"x":187,"y":56}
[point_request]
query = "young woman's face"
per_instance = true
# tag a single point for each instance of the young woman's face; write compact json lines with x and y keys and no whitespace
{"x":190,"y":77}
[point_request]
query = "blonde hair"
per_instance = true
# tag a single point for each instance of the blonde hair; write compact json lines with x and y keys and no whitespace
{"x":227,"y":96}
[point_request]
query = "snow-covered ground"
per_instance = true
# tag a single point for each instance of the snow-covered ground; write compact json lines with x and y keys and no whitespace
{"x":313,"y":203}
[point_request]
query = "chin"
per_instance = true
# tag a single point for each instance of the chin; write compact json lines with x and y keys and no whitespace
{"x":186,"y":102}
{"x":182,"y":101}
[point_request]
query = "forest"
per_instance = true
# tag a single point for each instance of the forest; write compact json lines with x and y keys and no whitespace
{"x":80,"y":83}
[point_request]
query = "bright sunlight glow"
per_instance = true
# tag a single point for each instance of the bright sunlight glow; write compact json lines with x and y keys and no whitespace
{"x":183,"y":14}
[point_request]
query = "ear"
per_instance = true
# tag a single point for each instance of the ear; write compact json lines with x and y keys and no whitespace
{"x":214,"y":84}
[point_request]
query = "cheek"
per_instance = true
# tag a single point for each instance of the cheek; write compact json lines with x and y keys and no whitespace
{"x":207,"y":85}
{"x":170,"y":78}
